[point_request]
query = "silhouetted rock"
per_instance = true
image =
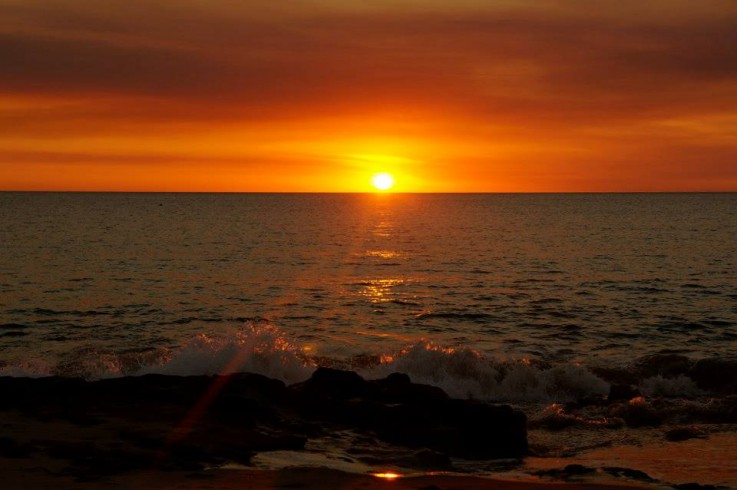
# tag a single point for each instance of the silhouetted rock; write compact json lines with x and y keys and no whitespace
{"x":567,"y":472}
{"x":185,"y":422}
{"x":461,"y":428}
{"x":665,"y":365}
{"x":397,"y":387}
{"x":614,"y":375}
{"x":9,"y":448}
{"x":412,"y":415}
{"x":694,"y":486}
{"x":622,"y":392}
{"x":716,"y":375}
{"x":329,"y":383}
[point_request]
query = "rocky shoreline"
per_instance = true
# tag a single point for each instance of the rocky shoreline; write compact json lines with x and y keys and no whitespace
{"x":91,"y":429}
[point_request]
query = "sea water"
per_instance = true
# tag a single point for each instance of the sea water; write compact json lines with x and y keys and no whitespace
{"x":506,"y":297}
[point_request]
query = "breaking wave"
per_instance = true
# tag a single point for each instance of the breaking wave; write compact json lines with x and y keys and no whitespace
{"x":462,"y":372}
{"x":465,"y":373}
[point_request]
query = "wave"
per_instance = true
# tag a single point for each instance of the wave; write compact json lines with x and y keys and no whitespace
{"x":462,"y":372}
{"x":261,"y":349}
{"x":256,"y":348}
{"x":465,"y":373}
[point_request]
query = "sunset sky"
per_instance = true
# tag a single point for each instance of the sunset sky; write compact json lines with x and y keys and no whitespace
{"x":299,"y":95}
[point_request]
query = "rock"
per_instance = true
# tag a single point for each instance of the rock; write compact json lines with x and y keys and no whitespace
{"x":638,"y":413}
{"x":665,"y":365}
{"x":428,"y":459}
{"x":694,"y":486}
{"x":254,"y":387}
{"x":619,"y":392}
{"x":460,"y":428}
{"x":716,"y":375}
{"x":628,"y":473}
{"x":578,"y":469}
{"x":10,"y":448}
{"x":567,"y":472}
{"x":412,"y":415}
{"x":329,"y":383}
{"x":398,"y":388}
{"x":682,"y":434}
{"x":614,"y":375}
{"x":199,"y":420}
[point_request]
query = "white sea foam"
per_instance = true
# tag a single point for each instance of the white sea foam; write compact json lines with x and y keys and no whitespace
{"x":465,"y":373}
{"x":261,"y":349}
{"x":265,"y":349}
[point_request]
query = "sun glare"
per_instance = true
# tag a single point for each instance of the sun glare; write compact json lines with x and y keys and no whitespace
{"x":382,"y":181}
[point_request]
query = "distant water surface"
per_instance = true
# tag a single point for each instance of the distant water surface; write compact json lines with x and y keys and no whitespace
{"x":593,"y":278}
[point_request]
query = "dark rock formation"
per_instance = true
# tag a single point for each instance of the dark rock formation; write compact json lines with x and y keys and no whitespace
{"x":715,"y":375}
{"x":683,"y":434}
{"x":412,"y":415}
{"x":175,"y":422}
{"x":638,"y":413}
{"x":622,"y":392}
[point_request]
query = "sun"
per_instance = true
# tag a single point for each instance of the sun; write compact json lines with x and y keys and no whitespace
{"x":382,"y":181}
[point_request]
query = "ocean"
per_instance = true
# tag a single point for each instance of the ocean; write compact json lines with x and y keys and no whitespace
{"x":532,"y":299}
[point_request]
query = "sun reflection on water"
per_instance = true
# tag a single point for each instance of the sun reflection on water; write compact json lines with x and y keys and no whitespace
{"x":380,"y":290}
{"x":382,"y":254}
{"x":387,"y":476}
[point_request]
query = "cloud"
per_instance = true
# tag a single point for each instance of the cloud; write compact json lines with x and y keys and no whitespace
{"x":510,"y":62}
{"x":564,"y":74}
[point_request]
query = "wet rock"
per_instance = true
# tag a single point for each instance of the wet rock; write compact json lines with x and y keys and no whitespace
{"x":726,"y":409}
{"x":554,"y":417}
{"x":590,"y":400}
{"x":620,"y":392}
{"x":413,"y":415}
{"x":716,"y":375}
{"x":397,"y":387}
{"x":614,"y":375}
{"x":665,"y":365}
{"x":577,"y":469}
{"x":461,"y":428}
{"x":567,"y":472}
{"x":329,"y":383}
{"x":428,"y":459}
{"x":10,"y":448}
{"x":638,"y":413}
{"x":196,"y":420}
{"x":254,"y":387}
{"x":628,"y":473}
{"x":694,"y":486}
{"x":683,"y":434}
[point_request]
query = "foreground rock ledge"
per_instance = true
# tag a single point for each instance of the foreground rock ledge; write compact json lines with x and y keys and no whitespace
{"x":186,"y":422}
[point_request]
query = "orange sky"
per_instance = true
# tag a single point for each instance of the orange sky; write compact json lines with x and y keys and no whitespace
{"x":299,"y":95}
